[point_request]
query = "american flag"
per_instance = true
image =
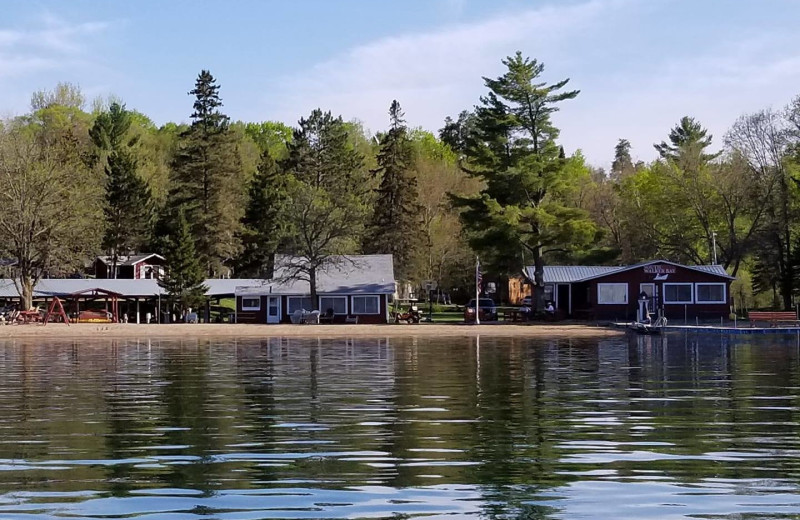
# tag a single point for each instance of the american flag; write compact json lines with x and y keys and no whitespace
{"x":478,"y":275}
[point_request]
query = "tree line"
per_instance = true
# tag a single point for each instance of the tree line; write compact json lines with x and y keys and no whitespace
{"x":221,"y":198}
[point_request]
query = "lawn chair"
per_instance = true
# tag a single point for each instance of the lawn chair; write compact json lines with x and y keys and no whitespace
{"x":327,"y":317}
{"x":297,"y":317}
{"x":312,"y":318}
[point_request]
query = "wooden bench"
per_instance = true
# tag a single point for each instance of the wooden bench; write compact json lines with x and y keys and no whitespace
{"x":773,"y":317}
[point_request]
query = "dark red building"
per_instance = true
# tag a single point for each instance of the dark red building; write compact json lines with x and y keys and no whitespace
{"x":679,"y":292}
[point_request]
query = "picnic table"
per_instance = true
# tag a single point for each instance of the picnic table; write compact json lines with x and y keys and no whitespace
{"x":30,"y":316}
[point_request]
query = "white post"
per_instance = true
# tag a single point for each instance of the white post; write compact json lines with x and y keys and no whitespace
{"x":137,"y":311}
{"x":477,"y":292}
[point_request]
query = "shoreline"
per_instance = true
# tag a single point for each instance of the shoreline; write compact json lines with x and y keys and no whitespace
{"x":181,"y":330}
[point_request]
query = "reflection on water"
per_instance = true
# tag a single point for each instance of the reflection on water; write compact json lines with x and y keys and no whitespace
{"x":637,"y":427}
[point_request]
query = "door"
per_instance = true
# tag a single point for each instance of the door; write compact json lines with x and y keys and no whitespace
{"x":563,"y":303}
{"x":273,"y":309}
{"x":650,"y":290}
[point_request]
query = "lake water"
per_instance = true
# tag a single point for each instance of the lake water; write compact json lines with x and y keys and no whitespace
{"x":623,"y":428}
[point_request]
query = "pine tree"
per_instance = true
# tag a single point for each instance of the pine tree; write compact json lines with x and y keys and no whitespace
{"x":395,"y":218}
{"x":206,"y":169}
{"x":513,"y":150}
{"x":264,"y":222}
{"x":327,"y":197}
{"x":623,"y":164}
{"x":128,"y":208}
{"x":184,"y":278}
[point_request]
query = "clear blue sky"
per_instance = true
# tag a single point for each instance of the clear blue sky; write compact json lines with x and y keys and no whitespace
{"x":640,"y":64}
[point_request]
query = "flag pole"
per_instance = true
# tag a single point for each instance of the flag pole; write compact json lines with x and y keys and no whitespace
{"x":477,"y":291}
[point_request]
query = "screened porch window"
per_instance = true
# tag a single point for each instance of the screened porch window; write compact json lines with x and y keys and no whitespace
{"x":297,"y":303}
{"x":678,"y":293}
{"x":612,"y":293}
{"x":337,"y":303}
{"x":710,"y":292}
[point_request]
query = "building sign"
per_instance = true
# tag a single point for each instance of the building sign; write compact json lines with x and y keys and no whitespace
{"x":659,"y":269}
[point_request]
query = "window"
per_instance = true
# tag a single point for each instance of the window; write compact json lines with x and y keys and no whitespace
{"x":337,"y":303}
{"x":297,"y":303}
{"x":251,"y":304}
{"x":710,"y":292}
{"x":612,"y":293}
{"x":366,"y":305}
{"x":678,"y":293}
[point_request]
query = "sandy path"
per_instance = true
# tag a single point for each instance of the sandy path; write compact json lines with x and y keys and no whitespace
{"x":130,"y":330}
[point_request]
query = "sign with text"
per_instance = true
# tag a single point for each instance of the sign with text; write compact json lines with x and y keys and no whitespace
{"x":659,"y":269}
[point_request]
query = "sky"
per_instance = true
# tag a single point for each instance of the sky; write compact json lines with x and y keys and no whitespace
{"x":640,"y":64}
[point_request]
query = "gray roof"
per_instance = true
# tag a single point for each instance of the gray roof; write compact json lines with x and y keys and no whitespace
{"x":353,"y":274}
{"x":580,"y":273}
{"x":130,"y":288}
{"x":571,"y":273}
{"x":129,"y":260}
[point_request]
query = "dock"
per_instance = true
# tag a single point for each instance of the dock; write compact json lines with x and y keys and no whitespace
{"x":718,"y":329}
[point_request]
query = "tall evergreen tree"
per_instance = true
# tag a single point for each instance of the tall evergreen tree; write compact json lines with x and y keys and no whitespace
{"x":623,"y":164}
{"x":688,"y":138}
{"x":395,"y":218}
{"x":184,"y":278}
{"x":128,"y":207}
{"x":514,"y":151}
{"x":321,"y":155}
{"x":206,"y":169}
{"x":264,"y":223}
{"x":327,"y":194}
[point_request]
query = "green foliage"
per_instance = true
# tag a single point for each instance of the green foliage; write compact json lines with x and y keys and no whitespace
{"x":395,"y":218}
{"x":184,"y":277}
{"x":51,"y":217}
{"x":128,"y":207}
{"x":328,"y":207}
{"x":265,"y":222}
{"x":207,"y":179}
{"x":521,"y":212}
{"x":270,"y":136}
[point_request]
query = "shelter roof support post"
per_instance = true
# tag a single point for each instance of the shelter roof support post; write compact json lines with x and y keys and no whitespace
{"x":137,"y":312}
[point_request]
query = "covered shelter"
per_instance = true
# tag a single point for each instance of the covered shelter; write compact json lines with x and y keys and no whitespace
{"x":94,"y":316}
{"x":677,"y":291}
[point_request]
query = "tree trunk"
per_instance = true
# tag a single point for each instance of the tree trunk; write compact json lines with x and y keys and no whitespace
{"x":538,"y":279}
{"x":312,"y":282}
{"x":26,"y":292}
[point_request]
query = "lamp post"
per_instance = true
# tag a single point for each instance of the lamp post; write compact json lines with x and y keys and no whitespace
{"x":714,"y":245}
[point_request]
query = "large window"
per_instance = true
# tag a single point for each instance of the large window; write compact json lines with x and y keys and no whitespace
{"x":366,"y":305}
{"x":710,"y":292}
{"x":337,"y":303}
{"x":678,"y":293}
{"x":612,"y":293}
{"x":297,"y":303}
{"x":251,"y":304}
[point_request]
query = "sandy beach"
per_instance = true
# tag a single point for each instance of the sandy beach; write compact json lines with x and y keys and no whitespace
{"x":130,"y":330}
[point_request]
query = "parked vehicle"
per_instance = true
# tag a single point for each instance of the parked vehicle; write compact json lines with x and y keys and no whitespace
{"x":487,"y":310}
{"x":410,"y":316}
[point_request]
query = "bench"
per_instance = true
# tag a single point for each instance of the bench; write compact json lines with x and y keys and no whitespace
{"x":773,"y":317}
{"x":353,"y":320}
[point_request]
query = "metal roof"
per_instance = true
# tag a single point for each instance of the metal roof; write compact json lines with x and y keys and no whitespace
{"x":570,"y":273}
{"x":129,"y":260}
{"x":142,"y":288}
{"x":353,"y":274}
{"x":581,"y":273}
